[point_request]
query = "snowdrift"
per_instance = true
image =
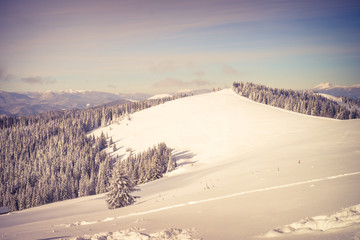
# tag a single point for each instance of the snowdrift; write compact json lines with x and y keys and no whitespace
{"x":342,"y":219}
{"x":136,"y":234}
{"x":243,"y":169}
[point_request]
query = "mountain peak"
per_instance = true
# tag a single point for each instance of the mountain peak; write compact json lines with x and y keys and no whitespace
{"x":323,"y":86}
{"x":159,"y":96}
{"x":338,"y":91}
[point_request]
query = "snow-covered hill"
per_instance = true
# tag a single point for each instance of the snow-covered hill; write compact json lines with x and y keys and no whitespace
{"x":245,"y":170}
{"x":338,"y":91}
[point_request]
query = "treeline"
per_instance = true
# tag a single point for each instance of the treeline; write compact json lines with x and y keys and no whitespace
{"x":49,"y":157}
{"x":351,"y":102}
{"x":89,"y":118}
{"x":149,"y":165}
{"x":306,"y":102}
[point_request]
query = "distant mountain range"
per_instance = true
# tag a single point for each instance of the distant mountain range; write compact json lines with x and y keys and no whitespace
{"x":338,"y":91}
{"x":187,"y":92}
{"x":12,"y":103}
{"x":16,"y":104}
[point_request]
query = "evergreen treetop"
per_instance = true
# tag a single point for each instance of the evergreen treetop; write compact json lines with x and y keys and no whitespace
{"x":120,"y":190}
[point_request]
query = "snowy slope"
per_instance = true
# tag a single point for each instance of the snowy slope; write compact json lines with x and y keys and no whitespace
{"x":338,"y":101}
{"x":331,"y":97}
{"x":244,"y":170}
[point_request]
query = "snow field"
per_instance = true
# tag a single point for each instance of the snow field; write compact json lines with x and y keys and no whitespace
{"x":353,"y":209}
{"x":244,"y":168}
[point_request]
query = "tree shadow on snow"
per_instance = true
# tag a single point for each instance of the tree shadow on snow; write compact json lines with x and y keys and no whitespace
{"x":60,"y":237}
{"x":183,"y":158}
{"x":115,"y":142}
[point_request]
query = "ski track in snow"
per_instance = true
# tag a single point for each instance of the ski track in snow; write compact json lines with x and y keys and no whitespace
{"x":213,"y":199}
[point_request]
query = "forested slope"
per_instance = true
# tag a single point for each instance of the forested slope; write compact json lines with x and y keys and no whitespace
{"x":50,"y":157}
{"x":305,"y":102}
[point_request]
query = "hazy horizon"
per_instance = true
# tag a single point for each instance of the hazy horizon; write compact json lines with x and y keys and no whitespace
{"x":70,"y":90}
{"x":164,"y":46}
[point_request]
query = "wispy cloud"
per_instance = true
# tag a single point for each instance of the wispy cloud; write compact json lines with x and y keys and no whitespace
{"x":5,"y":77}
{"x":229,"y":70}
{"x":169,"y":83}
{"x":38,"y":80}
{"x":177,"y":83}
{"x":199,"y":73}
{"x":199,"y":82}
{"x":156,"y":24}
{"x":129,"y":39}
{"x":163,"y":67}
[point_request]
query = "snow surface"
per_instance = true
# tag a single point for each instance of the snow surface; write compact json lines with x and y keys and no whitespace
{"x":244,"y":168}
{"x":136,"y":234}
{"x":345,"y":218}
{"x":331,"y":97}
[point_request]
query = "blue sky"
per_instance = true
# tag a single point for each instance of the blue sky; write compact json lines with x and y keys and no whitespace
{"x":157,"y":46}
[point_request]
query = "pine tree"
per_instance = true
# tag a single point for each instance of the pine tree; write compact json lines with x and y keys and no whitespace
{"x":121,"y":187}
{"x":171,"y":164}
{"x":102,"y":142}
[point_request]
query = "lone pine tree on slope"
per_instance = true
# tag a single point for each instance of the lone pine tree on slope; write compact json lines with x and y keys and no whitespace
{"x":121,"y":187}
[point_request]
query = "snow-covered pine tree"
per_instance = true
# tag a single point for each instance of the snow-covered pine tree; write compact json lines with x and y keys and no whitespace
{"x":171,"y":164}
{"x":121,"y":187}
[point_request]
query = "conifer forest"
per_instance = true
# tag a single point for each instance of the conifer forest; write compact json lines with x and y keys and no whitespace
{"x":305,"y":102}
{"x":52,"y":157}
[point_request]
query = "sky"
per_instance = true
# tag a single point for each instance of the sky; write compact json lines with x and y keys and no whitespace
{"x":162,"y":46}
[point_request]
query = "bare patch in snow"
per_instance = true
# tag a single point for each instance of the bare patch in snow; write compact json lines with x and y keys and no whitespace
{"x":342,"y":219}
{"x":138,"y":234}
